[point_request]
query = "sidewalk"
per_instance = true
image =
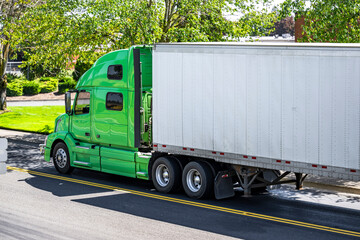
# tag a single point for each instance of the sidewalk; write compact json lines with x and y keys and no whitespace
{"x":40,"y":97}
{"x":324,"y":183}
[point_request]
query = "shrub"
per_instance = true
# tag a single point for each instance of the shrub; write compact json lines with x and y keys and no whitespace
{"x":65,"y":79}
{"x":48,"y":87}
{"x":14,"y":88}
{"x":47,"y":79}
{"x":65,"y":84}
{"x":80,"y":68}
{"x":48,"y":84}
{"x":12,"y":77}
{"x":31,"y":88}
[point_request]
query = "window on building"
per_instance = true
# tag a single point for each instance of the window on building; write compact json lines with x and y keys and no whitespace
{"x":114,"y":101}
{"x":115,"y":72}
{"x":82,"y":105}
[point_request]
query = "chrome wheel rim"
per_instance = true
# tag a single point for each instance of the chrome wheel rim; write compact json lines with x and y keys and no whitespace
{"x":162,"y":175}
{"x":61,"y":158}
{"x":193,"y":180}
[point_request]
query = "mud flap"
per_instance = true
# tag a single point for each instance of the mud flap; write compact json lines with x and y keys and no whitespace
{"x":223,"y":186}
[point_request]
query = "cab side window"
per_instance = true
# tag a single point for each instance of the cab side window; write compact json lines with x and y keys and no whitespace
{"x":82,"y":105}
{"x":114,"y":101}
{"x":115,"y":72}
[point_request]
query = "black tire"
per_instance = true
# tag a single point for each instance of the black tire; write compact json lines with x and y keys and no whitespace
{"x":166,"y":174}
{"x":198,"y":180}
{"x":61,"y":158}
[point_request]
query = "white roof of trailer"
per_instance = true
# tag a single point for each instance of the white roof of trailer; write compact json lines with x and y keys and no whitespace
{"x":261,"y":44}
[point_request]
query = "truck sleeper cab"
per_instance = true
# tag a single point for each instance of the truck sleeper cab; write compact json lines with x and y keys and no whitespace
{"x":102,"y":131}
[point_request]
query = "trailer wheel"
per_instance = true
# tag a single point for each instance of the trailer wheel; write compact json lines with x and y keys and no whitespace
{"x":61,"y":158}
{"x":166,"y":174}
{"x":198,"y":180}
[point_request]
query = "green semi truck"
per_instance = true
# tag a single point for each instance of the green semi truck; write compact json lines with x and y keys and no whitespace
{"x":211,"y":117}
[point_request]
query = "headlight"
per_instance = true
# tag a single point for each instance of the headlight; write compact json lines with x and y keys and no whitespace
{"x":57,"y":125}
{"x":43,"y":146}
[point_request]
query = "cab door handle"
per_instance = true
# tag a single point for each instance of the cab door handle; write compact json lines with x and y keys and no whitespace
{"x":87,"y":134}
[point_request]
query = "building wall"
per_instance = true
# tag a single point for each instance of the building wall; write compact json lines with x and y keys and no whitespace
{"x":299,"y":23}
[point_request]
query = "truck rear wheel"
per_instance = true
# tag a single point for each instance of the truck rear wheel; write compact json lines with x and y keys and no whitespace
{"x":166,"y":174}
{"x":61,"y":158}
{"x":198,"y":180}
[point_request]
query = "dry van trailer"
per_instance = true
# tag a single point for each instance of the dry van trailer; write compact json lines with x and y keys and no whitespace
{"x":260,"y":107}
{"x":208,"y":117}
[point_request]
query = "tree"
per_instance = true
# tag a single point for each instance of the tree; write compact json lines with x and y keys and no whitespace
{"x":10,"y":12}
{"x":54,"y":33}
{"x":326,"y":20}
{"x":255,"y":23}
{"x":90,"y":28}
{"x":285,"y":25}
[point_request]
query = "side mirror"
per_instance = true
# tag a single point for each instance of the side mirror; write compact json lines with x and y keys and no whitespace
{"x":68,"y":102}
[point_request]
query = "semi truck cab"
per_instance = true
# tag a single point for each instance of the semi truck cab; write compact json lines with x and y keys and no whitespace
{"x":110,"y":119}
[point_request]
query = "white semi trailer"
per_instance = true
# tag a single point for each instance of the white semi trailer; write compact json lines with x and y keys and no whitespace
{"x":259,"y":108}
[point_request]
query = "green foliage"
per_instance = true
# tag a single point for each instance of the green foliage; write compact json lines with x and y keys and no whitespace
{"x":47,"y":79}
{"x":65,"y":79}
{"x":255,"y":24}
{"x":80,"y":68}
{"x":48,"y":84}
{"x":327,"y":20}
{"x":37,"y":71}
{"x":31,"y":88}
{"x":65,"y":84}
{"x":89,"y":29}
{"x":11,"y":77}
{"x":14,"y":88}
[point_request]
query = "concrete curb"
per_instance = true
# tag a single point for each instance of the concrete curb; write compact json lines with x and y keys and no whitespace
{"x":33,"y":138}
{"x":329,"y":187}
{"x":22,"y":131}
{"x":336,"y":188}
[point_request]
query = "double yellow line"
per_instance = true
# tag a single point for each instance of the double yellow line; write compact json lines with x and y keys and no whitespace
{"x":195,"y":204}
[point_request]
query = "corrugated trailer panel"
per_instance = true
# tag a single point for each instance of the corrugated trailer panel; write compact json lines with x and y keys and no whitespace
{"x":290,"y":103}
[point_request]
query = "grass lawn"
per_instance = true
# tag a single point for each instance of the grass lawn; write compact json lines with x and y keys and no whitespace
{"x":32,"y":119}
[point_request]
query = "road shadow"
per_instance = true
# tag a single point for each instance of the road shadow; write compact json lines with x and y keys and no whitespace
{"x":26,"y":138}
{"x":205,"y":219}
{"x":27,"y":156}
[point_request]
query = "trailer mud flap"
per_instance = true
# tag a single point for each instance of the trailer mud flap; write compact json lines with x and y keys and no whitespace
{"x":223,"y":186}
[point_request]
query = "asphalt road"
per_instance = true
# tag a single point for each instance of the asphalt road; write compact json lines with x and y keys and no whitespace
{"x":39,"y":203}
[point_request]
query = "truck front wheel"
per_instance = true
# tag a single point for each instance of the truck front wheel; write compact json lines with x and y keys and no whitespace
{"x":61,"y":158}
{"x":166,"y":174}
{"x":198,"y":180}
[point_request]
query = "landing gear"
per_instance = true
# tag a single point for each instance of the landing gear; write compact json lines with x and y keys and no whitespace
{"x":254,"y":178}
{"x":299,"y":180}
